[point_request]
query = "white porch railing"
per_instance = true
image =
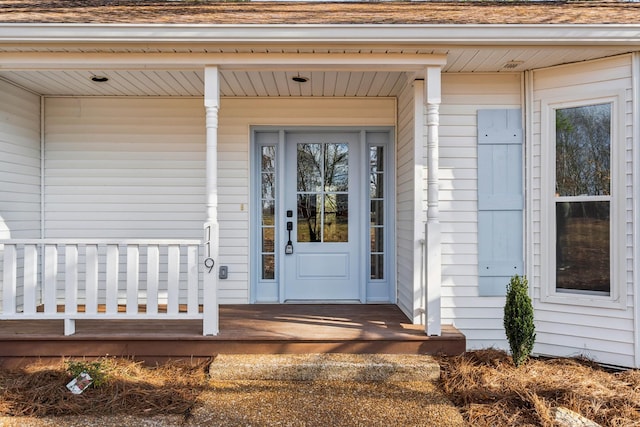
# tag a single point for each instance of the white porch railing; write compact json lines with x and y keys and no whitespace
{"x":100,"y":279}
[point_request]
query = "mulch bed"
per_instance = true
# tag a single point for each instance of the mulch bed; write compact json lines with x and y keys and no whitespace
{"x":491,"y":391}
{"x":130,"y":388}
{"x":485,"y":385}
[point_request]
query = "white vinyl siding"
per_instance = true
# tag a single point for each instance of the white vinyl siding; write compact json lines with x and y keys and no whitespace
{"x":410,"y":205}
{"x":237,"y":115}
{"x":604,"y":334}
{"x":135,"y":167}
{"x":122,"y":168}
{"x":19,"y":163}
{"x":479,"y":318}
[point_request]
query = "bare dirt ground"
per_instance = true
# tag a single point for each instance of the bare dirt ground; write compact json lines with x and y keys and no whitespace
{"x":485,"y":387}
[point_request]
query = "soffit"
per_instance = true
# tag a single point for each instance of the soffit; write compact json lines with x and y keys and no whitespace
{"x":187,"y":80}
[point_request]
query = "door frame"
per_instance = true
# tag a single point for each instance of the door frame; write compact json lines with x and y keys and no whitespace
{"x":272,"y":290}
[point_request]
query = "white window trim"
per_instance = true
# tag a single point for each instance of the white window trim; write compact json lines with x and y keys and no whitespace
{"x":617,"y":298}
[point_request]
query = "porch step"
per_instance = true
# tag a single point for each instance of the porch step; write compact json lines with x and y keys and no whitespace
{"x":325,"y":367}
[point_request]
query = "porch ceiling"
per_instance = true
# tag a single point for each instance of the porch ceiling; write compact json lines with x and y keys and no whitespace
{"x":170,"y":80}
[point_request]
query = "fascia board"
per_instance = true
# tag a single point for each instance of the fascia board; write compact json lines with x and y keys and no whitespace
{"x":229,"y":61}
{"x":468,"y":34}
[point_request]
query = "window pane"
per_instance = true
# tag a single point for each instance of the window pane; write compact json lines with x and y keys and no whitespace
{"x":377,"y":239}
{"x":376,"y":159}
{"x":336,"y":167}
{"x":268,"y":266}
{"x":583,"y":142}
{"x":377,"y":266}
{"x":336,"y":218}
{"x":310,"y":167}
{"x":268,"y":186}
{"x":376,"y":185}
{"x":309,"y":218}
{"x":268,"y":238}
{"x":377,"y":212}
{"x":268,"y":158}
{"x":268,"y":212}
{"x":582,"y":246}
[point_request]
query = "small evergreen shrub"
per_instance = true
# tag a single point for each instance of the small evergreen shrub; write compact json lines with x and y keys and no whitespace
{"x":518,"y":320}
{"x":98,"y":370}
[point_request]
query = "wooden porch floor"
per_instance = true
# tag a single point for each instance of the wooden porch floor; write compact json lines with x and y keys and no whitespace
{"x":277,"y":328}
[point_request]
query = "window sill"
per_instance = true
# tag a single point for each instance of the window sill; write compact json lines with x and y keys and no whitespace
{"x":585,"y":300}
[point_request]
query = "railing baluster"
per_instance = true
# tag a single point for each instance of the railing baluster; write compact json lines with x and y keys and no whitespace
{"x":70,"y":287}
{"x":133,"y":270}
{"x":192,"y":279}
{"x":50,"y":278}
{"x":91,"y":282}
{"x":153,"y":276}
{"x":173,"y":279}
{"x":9,"y":279}
{"x":30,"y":278}
{"x":71,"y":279}
{"x":113,"y":253}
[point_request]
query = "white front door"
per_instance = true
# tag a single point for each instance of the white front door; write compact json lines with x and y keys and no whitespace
{"x":322,"y":256}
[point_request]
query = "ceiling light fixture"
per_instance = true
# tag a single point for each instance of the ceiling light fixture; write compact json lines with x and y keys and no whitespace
{"x":99,"y":79}
{"x":300,"y":79}
{"x":512,"y":65}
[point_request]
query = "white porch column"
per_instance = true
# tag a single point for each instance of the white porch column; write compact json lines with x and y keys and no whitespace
{"x":433,"y":250}
{"x":210,"y":324}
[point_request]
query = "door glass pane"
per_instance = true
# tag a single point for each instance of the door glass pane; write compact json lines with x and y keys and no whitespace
{"x":336,"y":218}
{"x":309,"y":219}
{"x":583,"y":139}
{"x":322,"y":186}
{"x":336,"y":167}
{"x":582,"y":246}
{"x":310,"y":167}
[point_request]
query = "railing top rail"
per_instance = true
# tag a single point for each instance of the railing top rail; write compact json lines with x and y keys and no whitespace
{"x":101,"y":242}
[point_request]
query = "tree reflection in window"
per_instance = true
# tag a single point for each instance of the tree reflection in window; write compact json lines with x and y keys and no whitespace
{"x":582,"y":199}
{"x":322,"y":187}
{"x":268,"y":202}
{"x":583,"y":139}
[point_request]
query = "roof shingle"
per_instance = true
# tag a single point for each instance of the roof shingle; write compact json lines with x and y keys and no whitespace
{"x":432,"y":12}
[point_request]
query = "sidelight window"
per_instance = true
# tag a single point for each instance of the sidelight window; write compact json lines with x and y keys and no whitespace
{"x":268,"y":205}
{"x":377,"y":209}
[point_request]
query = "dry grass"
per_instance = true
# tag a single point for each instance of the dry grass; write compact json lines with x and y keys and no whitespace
{"x":491,"y":391}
